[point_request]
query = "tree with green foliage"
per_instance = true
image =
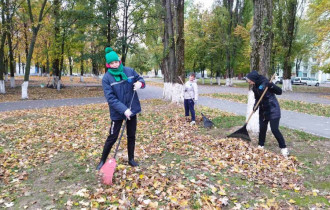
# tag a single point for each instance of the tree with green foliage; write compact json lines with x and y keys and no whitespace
{"x":285,"y":22}
{"x":140,"y":60}
{"x":318,"y":20}
{"x":35,"y":27}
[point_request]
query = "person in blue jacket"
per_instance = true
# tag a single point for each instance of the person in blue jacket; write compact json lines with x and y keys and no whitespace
{"x":119,"y":84}
{"x":269,"y":109}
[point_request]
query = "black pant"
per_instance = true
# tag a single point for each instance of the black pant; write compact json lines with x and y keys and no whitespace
{"x":189,"y":106}
{"x":274,"y":124}
{"x":113,"y":136}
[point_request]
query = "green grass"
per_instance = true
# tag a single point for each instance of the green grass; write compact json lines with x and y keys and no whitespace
{"x":228,"y":121}
{"x":299,"y":106}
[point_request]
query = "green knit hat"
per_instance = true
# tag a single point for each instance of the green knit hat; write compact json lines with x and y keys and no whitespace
{"x":110,"y":55}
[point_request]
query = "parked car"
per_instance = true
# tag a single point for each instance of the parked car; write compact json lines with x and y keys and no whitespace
{"x":278,"y":80}
{"x":313,"y":82}
{"x":300,"y":81}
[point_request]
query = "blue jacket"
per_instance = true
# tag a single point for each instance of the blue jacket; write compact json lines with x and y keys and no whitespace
{"x":119,"y":94}
{"x":269,"y":107}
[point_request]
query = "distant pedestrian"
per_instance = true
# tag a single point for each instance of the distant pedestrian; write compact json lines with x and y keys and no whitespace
{"x":269,"y":109}
{"x":119,"y":84}
{"x":190,"y":98}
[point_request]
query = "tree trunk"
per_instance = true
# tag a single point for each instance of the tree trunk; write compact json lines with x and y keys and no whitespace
{"x":82,"y":67}
{"x":56,"y":61}
{"x":35,"y":30}
{"x":11,"y":56}
{"x":125,"y":31}
{"x":172,"y":89}
{"x":61,"y":61}
{"x":261,"y":40}
{"x":19,"y":63}
{"x":180,"y":40}
{"x":2,"y":65}
{"x":287,"y":42}
{"x":28,"y":64}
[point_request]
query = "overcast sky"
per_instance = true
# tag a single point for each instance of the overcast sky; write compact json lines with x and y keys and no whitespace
{"x":205,"y":3}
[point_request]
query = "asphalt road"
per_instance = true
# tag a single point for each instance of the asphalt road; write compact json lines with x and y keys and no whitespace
{"x":316,"y":125}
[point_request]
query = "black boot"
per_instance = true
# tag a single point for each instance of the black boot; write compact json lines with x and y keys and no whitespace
{"x":133,"y":163}
{"x":99,"y":166}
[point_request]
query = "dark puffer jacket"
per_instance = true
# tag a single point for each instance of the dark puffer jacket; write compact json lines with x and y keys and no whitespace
{"x":119,"y":94}
{"x":269,"y":107}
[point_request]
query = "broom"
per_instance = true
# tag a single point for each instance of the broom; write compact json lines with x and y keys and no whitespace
{"x":242,"y":133}
{"x":108,"y":169}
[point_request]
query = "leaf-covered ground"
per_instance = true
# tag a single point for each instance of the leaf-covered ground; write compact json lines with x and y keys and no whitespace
{"x":299,"y":106}
{"x":48,"y":160}
{"x":37,"y":80}
{"x":38,"y":93}
{"x":72,"y":89}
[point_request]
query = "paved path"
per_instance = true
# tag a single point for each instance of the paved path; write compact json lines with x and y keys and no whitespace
{"x":296,"y":96}
{"x":316,"y":125}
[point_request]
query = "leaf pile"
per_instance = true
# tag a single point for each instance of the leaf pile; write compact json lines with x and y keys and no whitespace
{"x":180,"y":168}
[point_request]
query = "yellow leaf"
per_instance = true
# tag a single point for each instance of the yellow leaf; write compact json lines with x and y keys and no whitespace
{"x":213,"y":189}
{"x":292,"y":201}
{"x":173,"y":199}
{"x":184,"y":203}
{"x":120,"y":166}
{"x":153,"y":204}
{"x":95,"y":204}
{"x":222,"y":192}
{"x":141,"y":176}
{"x":134,"y":185}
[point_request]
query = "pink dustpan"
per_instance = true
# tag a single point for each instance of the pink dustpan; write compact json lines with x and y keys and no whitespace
{"x":107,"y":171}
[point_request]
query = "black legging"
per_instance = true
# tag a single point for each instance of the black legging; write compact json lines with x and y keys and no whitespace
{"x":113,"y":136}
{"x":274,"y":124}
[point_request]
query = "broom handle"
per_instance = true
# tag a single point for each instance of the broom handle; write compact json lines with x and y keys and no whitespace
{"x":259,"y":100}
{"x":123,"y":128}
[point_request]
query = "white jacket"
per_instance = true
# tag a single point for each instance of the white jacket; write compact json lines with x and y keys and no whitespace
{"x":190,"y":90}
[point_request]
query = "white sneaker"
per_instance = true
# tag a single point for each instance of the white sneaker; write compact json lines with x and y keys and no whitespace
{"x":285,"y":152}
{"x":260,"y":147}
{"x":192,"y":123}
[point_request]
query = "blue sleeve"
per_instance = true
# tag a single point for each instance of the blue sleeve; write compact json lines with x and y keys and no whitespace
{"x":112,"y":98}
{"x":137,"y":77}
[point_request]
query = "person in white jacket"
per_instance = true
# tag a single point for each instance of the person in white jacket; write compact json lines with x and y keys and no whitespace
{"x":190,"y":97}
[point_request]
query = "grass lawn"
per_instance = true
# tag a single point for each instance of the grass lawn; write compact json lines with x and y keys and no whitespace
{"x":48,"y":160}
{"x":295,"y":88}
{"x":299,"y":106}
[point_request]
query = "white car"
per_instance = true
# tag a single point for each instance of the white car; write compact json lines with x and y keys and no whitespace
{"x":312,"y":82}
{"x":300,"y":81}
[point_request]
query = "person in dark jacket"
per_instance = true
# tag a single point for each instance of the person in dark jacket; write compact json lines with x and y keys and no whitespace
{"x":269,"y":109}
{"x":119,"y":84}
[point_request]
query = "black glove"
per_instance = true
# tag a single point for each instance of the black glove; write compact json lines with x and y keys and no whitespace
{"x":275,"y":89}
{"x":270,"y":85}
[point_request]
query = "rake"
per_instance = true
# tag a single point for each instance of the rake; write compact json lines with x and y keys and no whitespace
{"x":242,"y":133}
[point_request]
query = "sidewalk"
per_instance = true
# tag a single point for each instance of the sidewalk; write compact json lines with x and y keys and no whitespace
{"x":316,"y":125}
